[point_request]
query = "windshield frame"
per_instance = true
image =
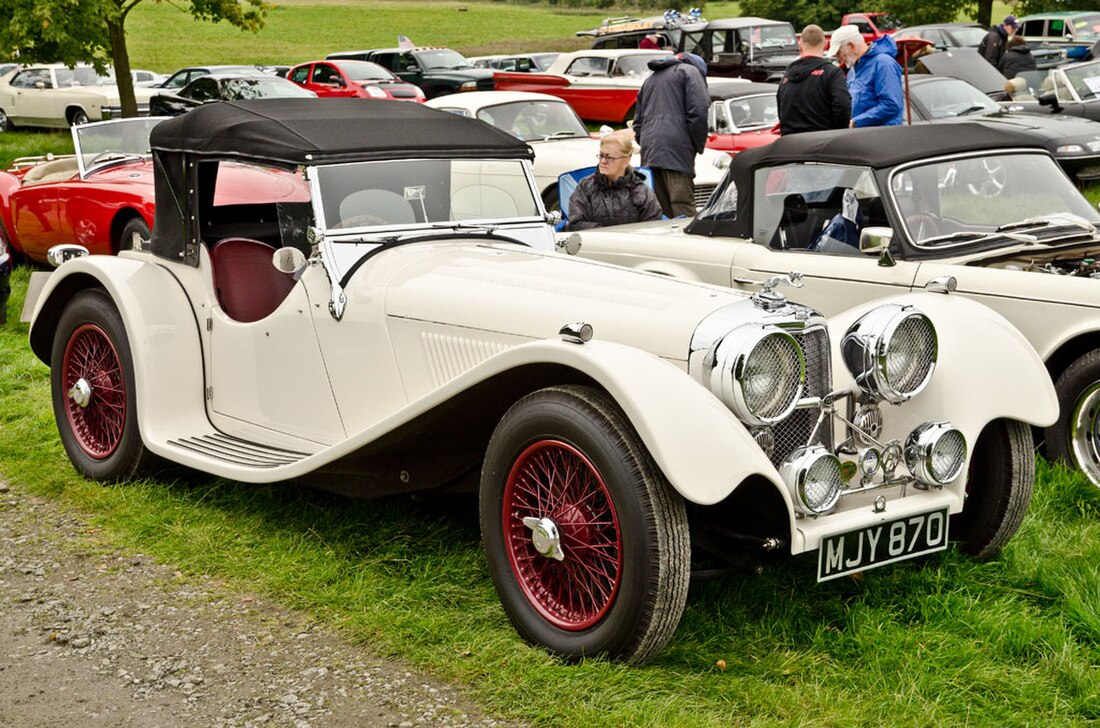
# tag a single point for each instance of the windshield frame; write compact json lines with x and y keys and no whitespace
{"x":83,"y":130}
{"x":582,"y":130}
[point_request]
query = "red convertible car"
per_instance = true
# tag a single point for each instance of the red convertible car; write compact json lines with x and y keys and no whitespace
{"x":354,"y":79}
{"x":742,"y":114}
{"x":102,"y":196}
{"x":600,"y":85}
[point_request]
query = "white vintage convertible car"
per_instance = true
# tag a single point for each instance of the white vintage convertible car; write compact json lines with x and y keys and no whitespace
{"x":984,"y":205}
{"x":559,"y":138}
{"x":411,"y":326}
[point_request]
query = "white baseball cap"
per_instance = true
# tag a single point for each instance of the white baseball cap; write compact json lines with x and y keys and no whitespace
{"x":840,"y":36}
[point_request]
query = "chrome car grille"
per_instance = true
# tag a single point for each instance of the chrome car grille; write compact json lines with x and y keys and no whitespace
{"x":702,"y":194}
{"x":795,"y":431}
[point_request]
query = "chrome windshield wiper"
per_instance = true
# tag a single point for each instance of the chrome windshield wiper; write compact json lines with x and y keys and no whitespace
{"x":971,"y":110}
{"x":564,"y":133}
{"x":974,"y":236}
{"x":1067,"y":219}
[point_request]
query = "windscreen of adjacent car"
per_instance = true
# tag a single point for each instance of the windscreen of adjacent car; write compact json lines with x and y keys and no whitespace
{"x":442,"y":59}
{"x":535,"y":120}
{"x":951,"y":98}
{"x":989,"y":200}
{"x":83,"y":76}
{"x":1087,"y":27}
{"x":423,"y":191}
{"x":1085,"y":79}
{"x":636,"y":66}
{"x":753,"y":112}
{"x":969,"y":37}
{"x":113,"y":141}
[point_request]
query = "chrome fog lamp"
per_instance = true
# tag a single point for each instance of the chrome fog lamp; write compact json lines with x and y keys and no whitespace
{"x":814,"y":478}
{"x":935,"y":453}
{"x":891,"y":351}
{"x":758,"y":372}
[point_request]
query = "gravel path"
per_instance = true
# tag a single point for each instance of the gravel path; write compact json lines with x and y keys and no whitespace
{"x":110,"y":638}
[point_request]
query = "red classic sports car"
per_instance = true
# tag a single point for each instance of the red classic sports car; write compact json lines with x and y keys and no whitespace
{"x":354,"y":79}
{"x":742,"y":114}
{"x":102,"y":196}
{"x":600,"y":85}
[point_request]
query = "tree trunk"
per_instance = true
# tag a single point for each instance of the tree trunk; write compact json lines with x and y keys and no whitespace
{"x":120,"y":57}
{"x":985,"y":12}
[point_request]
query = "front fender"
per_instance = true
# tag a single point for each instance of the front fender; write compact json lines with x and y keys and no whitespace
{"x":160,"y":325}
{"x":986,"y":370}
{"x":703,"y":450}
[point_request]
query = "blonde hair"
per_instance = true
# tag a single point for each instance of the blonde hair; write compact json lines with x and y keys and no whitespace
{"x":623,"y":140}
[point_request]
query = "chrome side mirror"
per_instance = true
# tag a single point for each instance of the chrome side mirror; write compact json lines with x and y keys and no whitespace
{"x":290,"y":261}
{"x":568,"y":244}
{"x":59,"y":254}
{"x":876,"y":241}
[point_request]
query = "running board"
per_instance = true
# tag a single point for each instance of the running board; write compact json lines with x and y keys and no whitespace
{"x":236,"y":451}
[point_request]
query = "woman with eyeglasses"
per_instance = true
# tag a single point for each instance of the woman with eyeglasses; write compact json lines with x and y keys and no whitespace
{"x":616,"y":194}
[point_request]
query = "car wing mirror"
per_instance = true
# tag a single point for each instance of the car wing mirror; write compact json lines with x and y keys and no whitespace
{"x":1049,"y":98}
{"x":290,"y":261}
{"x":412,"y":68}
{"x":876,"y":241}
{"x":568,"y":244}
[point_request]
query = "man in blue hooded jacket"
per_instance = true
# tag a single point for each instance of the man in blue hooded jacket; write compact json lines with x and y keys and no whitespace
{"x":670,"y":123}
{"x":874,"y":77}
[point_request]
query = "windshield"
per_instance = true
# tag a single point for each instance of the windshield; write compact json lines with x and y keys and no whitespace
{"x":113,"y":140}
{"x":1087,"y":27}
{"x":407,"y":193}
{"x":442,"y":58}
{"x":950,"y":98}
{"x":773,"y":37}
{"x":262,"y":87}
{"x":535,"y":120}
{"x":886,"y":21}
{"x":967,"y":37}
{"x":989,"y":199}
{"x":365,"y":71}
{"x":1085,"y":79}
{"x":83,"y":76}
{"x":751,"y":112}
{"x":635,"y":65}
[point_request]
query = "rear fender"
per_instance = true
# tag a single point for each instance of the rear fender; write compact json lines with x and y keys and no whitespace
{"x":160,"y":325}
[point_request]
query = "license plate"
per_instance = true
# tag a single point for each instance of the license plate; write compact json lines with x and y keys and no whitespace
{"x":882,"y":543}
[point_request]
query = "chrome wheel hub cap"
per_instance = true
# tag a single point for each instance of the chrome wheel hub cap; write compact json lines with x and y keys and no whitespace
{"x":81,"y":393}
{"x":545,"y":537}
{"x":1084,"y":435}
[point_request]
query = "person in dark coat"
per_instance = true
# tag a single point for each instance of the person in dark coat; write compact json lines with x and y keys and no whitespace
{"x":1017,"y":58}
{"x":813,"y":94}
{"x":993,"y":44}
{"x":670,"y":122}
{"x":616,"y":194}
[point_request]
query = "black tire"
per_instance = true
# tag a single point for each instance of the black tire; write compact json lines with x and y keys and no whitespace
{"x":631,"y":578}
{"x":101,"y":438}
{"x":5,"y":122}
{"x":629,"y":115}
{"x":134,"y":226}
{"x":77,"y":117}
{"x":1075,"y":437}
{"x":999,"y":484}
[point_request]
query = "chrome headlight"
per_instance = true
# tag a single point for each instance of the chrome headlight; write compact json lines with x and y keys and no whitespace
{"x":891,"y":351}
{"x":759,"y":373}
{"x":935,"y":453}
{"x":814,"y":477}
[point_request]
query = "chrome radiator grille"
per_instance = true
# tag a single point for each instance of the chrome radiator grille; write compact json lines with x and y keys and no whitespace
{"x":702,"y":194}
{"x":795,"y":431}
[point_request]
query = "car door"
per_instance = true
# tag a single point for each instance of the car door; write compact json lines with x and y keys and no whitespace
{"x":327,"y":80}
{"x":32,"y":99}
{"x":792,"y":207}
{"x":301,"y":75}
{"x":410,"y":68}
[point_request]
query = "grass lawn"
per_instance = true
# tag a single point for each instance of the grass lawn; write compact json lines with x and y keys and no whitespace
{"x":937,"y":641}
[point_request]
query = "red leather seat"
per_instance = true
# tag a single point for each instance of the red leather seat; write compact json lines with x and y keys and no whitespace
{"x":248,"y":286}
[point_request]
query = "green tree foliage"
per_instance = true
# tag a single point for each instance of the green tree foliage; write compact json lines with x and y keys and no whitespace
{"x":829,"y":13}
{"x":71,"y":31}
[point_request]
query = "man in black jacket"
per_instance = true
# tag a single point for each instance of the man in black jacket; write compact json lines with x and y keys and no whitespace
{"x":993,"y":44}
{"x":1017,"y":58}
{"x":670,"y":122}
{"x":813,"y":94}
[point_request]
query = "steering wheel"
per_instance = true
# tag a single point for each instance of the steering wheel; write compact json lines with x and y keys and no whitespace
{"x":922,"y":225}
{"x":993,"y":181}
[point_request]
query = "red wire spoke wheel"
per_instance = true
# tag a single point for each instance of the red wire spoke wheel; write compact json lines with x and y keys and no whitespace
{"x":557,"y":486}
{"x":91,"y":375}
{"x":587,"y":542}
